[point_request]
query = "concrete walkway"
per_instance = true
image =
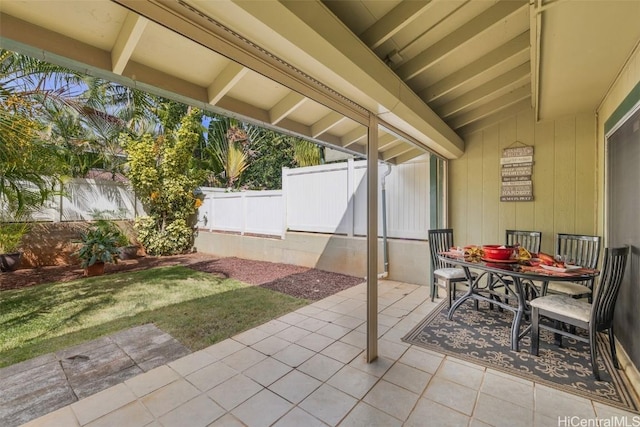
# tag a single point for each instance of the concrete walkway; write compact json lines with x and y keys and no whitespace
{"x":307,"y":368}
{"x":39,"y":386}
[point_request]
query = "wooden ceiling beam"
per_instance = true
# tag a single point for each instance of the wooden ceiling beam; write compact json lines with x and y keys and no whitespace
{"x":457,"y":38}
{"x":127,"y":40}
{"x":353,"y":136}
{"x":285,"y":106}
{"x":394,"y":21}
{"x":515,"y":46}
{"x":225,"y":81}
{"x":496,"y":117}
{"x":491,"y":107}
{"x":503,"y":83}
{"x":326,"y":123}
{"x":394,"y":152}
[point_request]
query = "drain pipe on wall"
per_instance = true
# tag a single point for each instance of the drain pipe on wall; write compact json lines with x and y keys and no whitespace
{"x":384,"y":224}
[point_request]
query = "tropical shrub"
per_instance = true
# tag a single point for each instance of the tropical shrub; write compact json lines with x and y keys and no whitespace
{"x":165,"y":177}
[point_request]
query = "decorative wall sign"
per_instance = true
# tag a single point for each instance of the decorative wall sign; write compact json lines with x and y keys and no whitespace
{"x":516,"y":172}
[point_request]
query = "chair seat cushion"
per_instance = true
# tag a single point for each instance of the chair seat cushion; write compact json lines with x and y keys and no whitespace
{"x":568,"y":288}
{"x":563,"y":305}
{"x":450,"y":273}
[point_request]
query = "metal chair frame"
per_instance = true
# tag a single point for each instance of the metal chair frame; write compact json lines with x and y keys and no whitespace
{"x":601,"y":315}
{"x":441,"y":240}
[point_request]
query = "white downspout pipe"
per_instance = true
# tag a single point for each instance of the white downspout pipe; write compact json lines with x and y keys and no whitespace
{"x":385,"y":251}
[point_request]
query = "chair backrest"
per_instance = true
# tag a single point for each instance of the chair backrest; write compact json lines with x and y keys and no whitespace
{"x":578,"y":249}
{"x":606,"y":293}
{"x":440,"y":240}
{"x":530,"y":240}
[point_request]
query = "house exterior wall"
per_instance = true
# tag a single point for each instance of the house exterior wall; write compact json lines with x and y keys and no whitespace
{"x":564,"y":181}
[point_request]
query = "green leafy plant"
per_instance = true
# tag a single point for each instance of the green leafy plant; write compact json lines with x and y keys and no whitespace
{"x":163,"y":172}
{"x":108,"y":226}
{"x":98,"y":245}
{"x":11,"y":234}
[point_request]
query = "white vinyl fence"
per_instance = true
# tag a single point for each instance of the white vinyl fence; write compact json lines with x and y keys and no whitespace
{"x":324,"y":199}
{"x":88,"y":199}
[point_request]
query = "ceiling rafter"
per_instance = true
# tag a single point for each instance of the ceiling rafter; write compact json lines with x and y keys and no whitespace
{"x":128,"y":38}
{"x":393,"y":22}
{"x":386,"y":141}
{"x":353,"y":136}
{"x":457,"y":38}
{"x":491,"y":107}
{"x":505,"y":82}
{"x":326,"y":123}
{"x":285,"y":106}
{"x":519,"y":106}
{"x":412,"y":154}
{"x":392,"y":153}
{"x":225,"y":81}
{"x":486,"y":63}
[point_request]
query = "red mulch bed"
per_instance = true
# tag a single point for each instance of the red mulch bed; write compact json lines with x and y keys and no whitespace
{"x":301,"y":282}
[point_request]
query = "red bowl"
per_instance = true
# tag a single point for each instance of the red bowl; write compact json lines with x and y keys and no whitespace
{"x":496,"y":252}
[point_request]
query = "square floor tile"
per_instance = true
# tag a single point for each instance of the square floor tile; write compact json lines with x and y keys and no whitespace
{"x":299,"y":418}
{"x":267,"y":371}
{"x":243,"y":359}
{"x":392,"y":399}
{"x":273,"y":326}
{"x":169,"y":397}
{"x":333,"y":331}
{"x":315,"y":342}
{"x":428,"y":362}
{"x":468,"y":376}
{"x":200,"y":412}
{"x":292,"y":334}
{"x":376,"y":368}
{"x":270,"y":346}
{"x":366,"y":415}
{"x":407,"y":377}
{"x":505,"y":388}
{"x":497,"y":412}
{"x":102,"y":403}
{"x":251,"y":336}
{"x":149,"y":381}
{"x":432,"y":413}
{"x":227,"y":421}
{"x":452,"y":395}
{"x":353,"y":381}
{"x":295,"y":386}
{"x":131,"y":415}
{"x":262,"y":409}
{"x":210,"y":376}
{"x":556,"y":403}
{"x":191,"y":363}
{"x":328,"y":404}
{"x":320,"y":367}
{"x":293,"y":355}
{"x":342,"y":352}
{"x":234,"y":391}
{"x":224,"y":348}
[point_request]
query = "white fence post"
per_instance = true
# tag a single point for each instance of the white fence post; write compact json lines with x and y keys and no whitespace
{"x":351,"y":195}
{"x":285,"y":186}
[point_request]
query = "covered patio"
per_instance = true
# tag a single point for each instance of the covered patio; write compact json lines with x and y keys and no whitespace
{"x":307,"y":368}
{"x":391,"y":81}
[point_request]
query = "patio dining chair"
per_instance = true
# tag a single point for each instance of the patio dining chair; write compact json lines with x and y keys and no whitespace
{"x":530,"y":240}
{"x":595,"y":317}
{"x":578,"y":249}
{"x":443,"y":274}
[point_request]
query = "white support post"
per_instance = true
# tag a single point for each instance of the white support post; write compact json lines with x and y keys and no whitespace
{"x":372,"y":239}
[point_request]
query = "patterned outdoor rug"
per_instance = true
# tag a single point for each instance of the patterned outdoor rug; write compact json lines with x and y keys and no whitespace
{"x":483,"y":337}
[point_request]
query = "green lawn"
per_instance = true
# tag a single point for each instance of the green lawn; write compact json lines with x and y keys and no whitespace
{"x":196,"y":308}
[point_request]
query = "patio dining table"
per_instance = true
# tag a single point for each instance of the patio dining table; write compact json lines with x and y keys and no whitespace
{"x":517,"y":279}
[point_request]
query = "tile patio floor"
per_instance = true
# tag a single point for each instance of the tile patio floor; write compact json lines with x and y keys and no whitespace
{"x":307,"y":369}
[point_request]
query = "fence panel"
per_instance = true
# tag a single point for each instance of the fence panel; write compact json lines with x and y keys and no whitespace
{"x":317,"y":199}
{"x":88,"y":199}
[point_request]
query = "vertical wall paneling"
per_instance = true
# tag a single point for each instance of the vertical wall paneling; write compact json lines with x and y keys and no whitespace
{"x":543,"y":187}
{"x":564,"y":176}
{"x":507,"y":136}
{"x":525,"y":212}
{"x":585,"y":178}
{"x":491,"y":185}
